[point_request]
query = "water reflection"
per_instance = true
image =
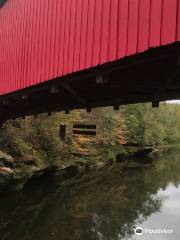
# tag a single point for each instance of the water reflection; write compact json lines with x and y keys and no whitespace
{"x":167,"y":218}
{"x":108,"y":206}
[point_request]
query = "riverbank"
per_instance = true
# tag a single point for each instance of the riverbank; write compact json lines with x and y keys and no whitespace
{"x":16,"y":173}
{"x":32,"y":147}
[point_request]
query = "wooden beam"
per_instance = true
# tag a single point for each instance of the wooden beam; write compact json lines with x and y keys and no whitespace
{"x":116,"y":108}
{"x":67,"y":111}
{"x":155,"y":104}
{"x":70,"y":90}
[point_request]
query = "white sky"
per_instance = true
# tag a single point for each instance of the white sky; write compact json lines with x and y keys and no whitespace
{"x":174,"y":101}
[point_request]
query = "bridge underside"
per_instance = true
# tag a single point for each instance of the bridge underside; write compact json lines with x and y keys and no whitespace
{"x":149,"y":77}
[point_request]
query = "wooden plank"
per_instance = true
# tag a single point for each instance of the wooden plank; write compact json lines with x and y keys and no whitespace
{"x":2,"y":54}
{"x":30,"y":59}
{"x":8,"y":49}
{"x":45,"y":38}
{"x":169,"y":17}
{"x":54,"y":16}
{"x":155,"y":23}
{"x":4,"y":51}
{"x":84,"y":126}
{"x":49,"y":70}
{"x":62,"y":132}
{"x":97,"y":32}
{"x":178,"y":22}
{"x":122,"y":28}
{"x":90,"y":33}
{"x":63,"y":39}
{"x":76,"y":60}
{"x":72,"y":36}
{"x":33,"y":43}
{"x":144,"y":25}
{"x":83,"y":39}
{"x":133,"y":27}
{"x":57,"y":37}
{"x":26,"y":45}
{"x":38,"y":42}
{"x":105,"y":31}
{"x":113,"y":34}
{"x":83,"y":132}
{"x":66,"y":37}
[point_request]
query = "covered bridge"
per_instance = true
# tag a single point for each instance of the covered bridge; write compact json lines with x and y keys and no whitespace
{"x":68,"y":54}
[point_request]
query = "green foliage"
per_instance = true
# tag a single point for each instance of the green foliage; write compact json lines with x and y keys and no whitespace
{"x":137,"y":124}
{"x":147,"y":126}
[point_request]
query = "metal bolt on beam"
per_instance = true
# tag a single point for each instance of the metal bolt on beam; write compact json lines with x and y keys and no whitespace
{"x":24,"y":96}
{"x":54,"y":89}
{"x":5,"y":102}
{"x":101,"y":79}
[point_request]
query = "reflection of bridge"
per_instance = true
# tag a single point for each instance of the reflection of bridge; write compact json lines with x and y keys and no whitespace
{"x":66,"y":54}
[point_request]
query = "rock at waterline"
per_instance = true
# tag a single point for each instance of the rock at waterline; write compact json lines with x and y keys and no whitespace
{"x":6,"y":160}
{"x":6,"y":175}
{"x":6,"y":171}
{"x":6,"y":157}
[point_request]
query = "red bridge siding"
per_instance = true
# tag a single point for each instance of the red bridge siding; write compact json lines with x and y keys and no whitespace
{"x":41,"y":40}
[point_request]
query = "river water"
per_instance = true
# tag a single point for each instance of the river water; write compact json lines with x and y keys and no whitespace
{"x":106,"y":205}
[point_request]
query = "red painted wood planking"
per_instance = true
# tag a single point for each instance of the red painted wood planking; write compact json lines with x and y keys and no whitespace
{"x":72,"y":36}
{"x":169,"y":17}
{"x":113,"y":31}
{"x":155,"y":23}
{"x":83,"y":41}
{"x":77,"y":39}
{"x":66,"y":37}
{"x":123,"y":17}
{"x":105,"y":31}
{"x":90,"y":33}
{"x":97,"y":32}
{"x":42,"y":40}
{"x":178,"y":22}
{"x":132,"y":41}
{"x":144,"y":25}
